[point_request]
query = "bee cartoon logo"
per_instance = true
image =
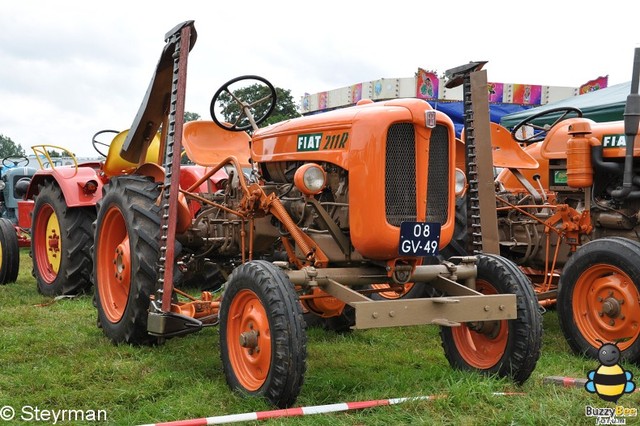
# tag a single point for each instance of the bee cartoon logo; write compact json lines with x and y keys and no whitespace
{"x":610,"y":381}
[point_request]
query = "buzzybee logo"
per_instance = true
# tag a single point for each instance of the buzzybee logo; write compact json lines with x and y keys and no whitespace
{"x":609,"y":381}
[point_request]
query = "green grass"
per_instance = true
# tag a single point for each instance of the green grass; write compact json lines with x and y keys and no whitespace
{"x":52,"y":356}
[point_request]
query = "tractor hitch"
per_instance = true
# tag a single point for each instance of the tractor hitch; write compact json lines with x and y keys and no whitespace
{"x":171,"y":324}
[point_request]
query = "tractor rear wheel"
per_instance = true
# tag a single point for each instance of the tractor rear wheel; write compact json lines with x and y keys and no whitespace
{"x":9,"y":252}
{"x":507,"y":348}
{"x":124,"y":256}
{"x":61,"y":239}
{"x":263,"y":341}
{"x":599,"y":298}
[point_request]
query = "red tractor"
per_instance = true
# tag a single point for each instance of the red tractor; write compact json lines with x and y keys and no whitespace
{"x":60,"y":209}
{"x":308,"y":213}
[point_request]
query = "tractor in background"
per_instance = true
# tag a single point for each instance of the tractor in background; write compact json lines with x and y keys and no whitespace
{"x":60,"y":208}
{"x":568,"y":214}
{"x":9,"y":252}
{"x":14,"y":179}
{"x":307,"y":212}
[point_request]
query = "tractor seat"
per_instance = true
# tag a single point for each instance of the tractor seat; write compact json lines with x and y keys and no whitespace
{"x":207,"y":144}
{"x":115,"y":165}
{"x":507,"y":153}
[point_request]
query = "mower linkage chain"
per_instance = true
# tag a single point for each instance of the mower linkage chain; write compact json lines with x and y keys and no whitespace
{"x":474,"y":245}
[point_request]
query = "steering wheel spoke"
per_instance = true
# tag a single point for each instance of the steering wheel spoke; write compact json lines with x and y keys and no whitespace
{"x":97,"y":144}
{"x":563,"y":112}
{"x":15,"y":161}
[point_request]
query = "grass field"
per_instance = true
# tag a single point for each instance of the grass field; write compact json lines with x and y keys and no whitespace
{"x":53,"y":357}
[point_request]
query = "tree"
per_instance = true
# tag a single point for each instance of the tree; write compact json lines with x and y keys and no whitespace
{"x":191,"y":116}
{"x":284,"y":110}
{"x":285,"y":107}
{"x":9,"y":148}
{"x":188,"y":116}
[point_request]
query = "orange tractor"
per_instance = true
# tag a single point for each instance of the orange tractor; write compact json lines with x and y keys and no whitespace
{"x":308,"y":213}
{"x":568,"y":212}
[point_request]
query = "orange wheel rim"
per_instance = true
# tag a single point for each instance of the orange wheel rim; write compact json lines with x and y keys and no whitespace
{"x":392,"y":294}
{"x":323,"y":304}
{"x":113,"y":267}
{"x":606,"y":306}
{"x":47,"y":244}
{"x":480,"y":350}
{"x":249,"y":340}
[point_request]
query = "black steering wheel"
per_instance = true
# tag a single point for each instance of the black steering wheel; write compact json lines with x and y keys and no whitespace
{"x":244,"y":115}
{"x":542,"y":131}
{"x":15,"y":161}
{"x":96,"y":143}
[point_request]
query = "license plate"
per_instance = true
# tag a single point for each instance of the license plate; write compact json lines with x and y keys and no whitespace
{"x":419,"y":239}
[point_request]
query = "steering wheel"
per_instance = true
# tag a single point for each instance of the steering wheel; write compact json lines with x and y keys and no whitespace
{"x":15,"y":161}
{"x":542,"y":130}
{"x":244,"y":115}
{"x":96,"y":143}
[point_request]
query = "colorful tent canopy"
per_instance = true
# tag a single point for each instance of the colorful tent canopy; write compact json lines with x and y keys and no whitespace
{"x":455,"y":111}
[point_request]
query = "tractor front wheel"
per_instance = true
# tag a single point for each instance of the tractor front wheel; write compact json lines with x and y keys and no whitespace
{"x":61,"y":239}
{"x":263,"y":341}
{"x":599,"y":297}
{"x":507,"y":348}
{"x":124,"y":256}
{"x":9,"y":252}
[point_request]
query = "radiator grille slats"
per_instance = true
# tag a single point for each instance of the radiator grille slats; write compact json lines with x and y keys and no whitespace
{"x":438,"y":176}
{"x":400,"y":175}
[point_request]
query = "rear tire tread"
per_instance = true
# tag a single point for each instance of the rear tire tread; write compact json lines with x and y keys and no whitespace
{"x":74,"y":273}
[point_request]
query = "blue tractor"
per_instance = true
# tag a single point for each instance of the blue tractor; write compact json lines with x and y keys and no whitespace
{"x":15,"y":175}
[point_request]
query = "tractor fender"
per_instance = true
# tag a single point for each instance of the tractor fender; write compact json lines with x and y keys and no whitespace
{"x":72,"y":182}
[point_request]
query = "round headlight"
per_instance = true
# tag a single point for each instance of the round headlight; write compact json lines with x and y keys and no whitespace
{"x":310,"y":179}
{"x":461,"y":183}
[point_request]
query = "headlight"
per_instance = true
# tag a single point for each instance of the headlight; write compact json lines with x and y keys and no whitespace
{"x":310,"y":179}
{"x":461,"y":183}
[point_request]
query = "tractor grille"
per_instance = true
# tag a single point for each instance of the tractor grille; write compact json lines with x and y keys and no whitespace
{"x":400,"y":174}
{"x":438,"y":176}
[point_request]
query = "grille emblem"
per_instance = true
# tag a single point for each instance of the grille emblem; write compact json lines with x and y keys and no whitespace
{"x":430,"y":119}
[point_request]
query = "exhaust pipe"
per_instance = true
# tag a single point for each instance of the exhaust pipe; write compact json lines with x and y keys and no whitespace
{"x":631,"y":122}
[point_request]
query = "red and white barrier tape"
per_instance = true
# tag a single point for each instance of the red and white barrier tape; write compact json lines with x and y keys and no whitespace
{"x":304,"y":411}
{"x":567,"y":382}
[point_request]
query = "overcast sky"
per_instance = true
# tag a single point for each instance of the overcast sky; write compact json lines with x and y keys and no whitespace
{"x":71,"y":68}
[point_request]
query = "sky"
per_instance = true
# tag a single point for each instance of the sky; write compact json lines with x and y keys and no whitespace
{"x":69,"y":69}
